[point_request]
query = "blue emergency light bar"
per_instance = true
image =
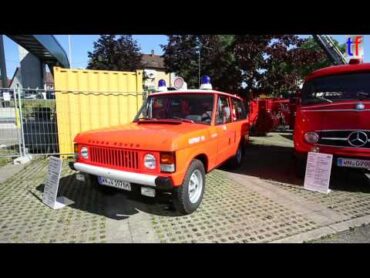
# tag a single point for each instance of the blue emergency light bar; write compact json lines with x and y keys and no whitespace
{"x":205,"y":83}
{"x":162,"y":85}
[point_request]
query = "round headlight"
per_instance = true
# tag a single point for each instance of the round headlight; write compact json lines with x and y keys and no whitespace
{"x":311,"y":137}
{"x":85,"y":152}
{"x":149,"y":161}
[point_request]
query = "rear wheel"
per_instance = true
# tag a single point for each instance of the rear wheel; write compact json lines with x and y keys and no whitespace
{"x":237,"y":160}
{"x":189,"y":195}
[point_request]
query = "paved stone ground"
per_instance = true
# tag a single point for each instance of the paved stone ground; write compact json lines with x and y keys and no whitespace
{"x":261,"y":202}
{"x":353,"y":235}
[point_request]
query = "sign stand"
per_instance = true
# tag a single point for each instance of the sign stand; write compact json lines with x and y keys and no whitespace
{"x":318,"y":171}
{"x":52,"y":184}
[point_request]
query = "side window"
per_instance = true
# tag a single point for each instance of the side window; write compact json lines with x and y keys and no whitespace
{"x":239,"y":112}
{"x":223,"y":115}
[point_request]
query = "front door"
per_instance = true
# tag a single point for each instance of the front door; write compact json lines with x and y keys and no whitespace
{"x":225,"y":134}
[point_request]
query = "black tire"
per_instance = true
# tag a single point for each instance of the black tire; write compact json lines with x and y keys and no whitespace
{"x":102,"y":188}
{"x":237,"y":160}
{"x":300,"y":167}
{"x":181,"y":195}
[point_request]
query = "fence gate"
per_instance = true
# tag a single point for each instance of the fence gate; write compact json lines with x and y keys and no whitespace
{"x":28,"y":122}
{"x":10,"y":133}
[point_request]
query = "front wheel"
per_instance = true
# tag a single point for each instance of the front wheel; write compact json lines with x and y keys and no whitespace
{"x":189,"y":195}
{"x":300,"y":167}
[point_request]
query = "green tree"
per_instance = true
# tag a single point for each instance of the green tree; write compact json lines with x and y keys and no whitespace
{"x":212,"y":55}
{"x":271,"y":64}
{"x":315,"y":56}
{"x":112,"y":52}
{"x":250,"y":54}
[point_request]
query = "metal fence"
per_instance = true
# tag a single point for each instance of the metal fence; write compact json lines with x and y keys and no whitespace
{"x":10,"y":133}
{"x":44,"y":122}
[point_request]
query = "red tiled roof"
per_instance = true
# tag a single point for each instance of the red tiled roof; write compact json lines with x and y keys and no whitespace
{"x":151,"y":61}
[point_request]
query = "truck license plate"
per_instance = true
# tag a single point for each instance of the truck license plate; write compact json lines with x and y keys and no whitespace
{"x":353,"y":163}
{"x":115,"y":183}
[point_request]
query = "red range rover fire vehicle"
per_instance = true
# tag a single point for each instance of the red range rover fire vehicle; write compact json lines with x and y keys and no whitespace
{"x":334,"y":115}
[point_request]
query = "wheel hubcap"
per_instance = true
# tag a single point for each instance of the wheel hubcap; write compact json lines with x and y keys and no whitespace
{"x":195,"y":186}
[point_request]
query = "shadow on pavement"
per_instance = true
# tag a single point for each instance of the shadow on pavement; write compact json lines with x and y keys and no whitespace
{"x":276,"y":163}
{"x":115,"y":204}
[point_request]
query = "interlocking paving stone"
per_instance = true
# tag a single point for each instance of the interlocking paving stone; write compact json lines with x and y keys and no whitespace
{"x":231,"y":213}
{"x":24,"y":218}
{"x":351,"y":204}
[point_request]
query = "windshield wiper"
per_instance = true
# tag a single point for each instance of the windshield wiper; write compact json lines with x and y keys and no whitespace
{"x":183,"y":119}
{"x":324,"y":99}
{"x":362,"y":95}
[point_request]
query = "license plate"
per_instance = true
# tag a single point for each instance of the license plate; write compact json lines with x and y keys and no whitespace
{"x":353,"y":163}
{"x":115,"y":183}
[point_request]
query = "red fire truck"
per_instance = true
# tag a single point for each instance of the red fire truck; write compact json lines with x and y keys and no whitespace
{"x":334,"y":116}
{"x":266,"y":114}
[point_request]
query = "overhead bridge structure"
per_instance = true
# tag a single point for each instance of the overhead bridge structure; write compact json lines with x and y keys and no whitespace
{"x":44,"y":47}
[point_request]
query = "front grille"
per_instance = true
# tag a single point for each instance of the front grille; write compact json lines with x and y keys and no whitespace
{"x":339,"y":138}
{"x":121,"y":158}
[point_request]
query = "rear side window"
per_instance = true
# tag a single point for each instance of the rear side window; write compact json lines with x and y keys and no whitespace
{"x":239,"y":113}
{"x":223,"y":115}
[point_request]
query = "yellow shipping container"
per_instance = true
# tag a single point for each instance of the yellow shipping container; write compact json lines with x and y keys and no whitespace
{"x":92,"y":99}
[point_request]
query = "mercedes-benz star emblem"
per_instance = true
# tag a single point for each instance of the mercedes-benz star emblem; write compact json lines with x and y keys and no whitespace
{"x":360,"y":106}
{"x":358,"y":139}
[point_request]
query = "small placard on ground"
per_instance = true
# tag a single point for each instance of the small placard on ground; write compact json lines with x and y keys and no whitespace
{"x":318,"y":171}
{"x":52,"y":184}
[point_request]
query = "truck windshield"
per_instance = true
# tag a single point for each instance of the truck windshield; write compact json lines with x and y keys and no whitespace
{"x":354,"y":86}
{"x":188,"y":107}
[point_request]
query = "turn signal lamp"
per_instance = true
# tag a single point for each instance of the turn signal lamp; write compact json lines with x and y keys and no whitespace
{"x":167,"y":161}
{"x":75,"y":151}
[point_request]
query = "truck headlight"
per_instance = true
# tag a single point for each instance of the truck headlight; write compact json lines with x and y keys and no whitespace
{"x":84,"y":152}
{"x":149,"y":161}
{"x":167,"y":162}
{"x":311,"y":137}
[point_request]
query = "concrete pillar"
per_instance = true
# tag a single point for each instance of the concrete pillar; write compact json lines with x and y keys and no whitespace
{"x":31,"y":69}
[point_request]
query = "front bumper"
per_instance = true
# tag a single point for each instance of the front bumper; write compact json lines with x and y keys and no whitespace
{"x":162,"y":183}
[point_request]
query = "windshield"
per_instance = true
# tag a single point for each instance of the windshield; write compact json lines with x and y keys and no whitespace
{"x":354,"y":86}
{"x":188,"y":107}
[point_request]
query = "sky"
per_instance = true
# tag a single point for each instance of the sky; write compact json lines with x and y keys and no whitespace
{"x":81,"y":44}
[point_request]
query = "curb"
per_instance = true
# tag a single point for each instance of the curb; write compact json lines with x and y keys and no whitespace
{"x":325,"y":231}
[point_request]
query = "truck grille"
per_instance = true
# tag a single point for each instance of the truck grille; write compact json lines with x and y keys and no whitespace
{"x":115,"y":157}
{"x":339,"y":138}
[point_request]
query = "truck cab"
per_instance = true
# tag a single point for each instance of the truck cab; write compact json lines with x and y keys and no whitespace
{"x":175,"y":139}
{"x":334,"y":116}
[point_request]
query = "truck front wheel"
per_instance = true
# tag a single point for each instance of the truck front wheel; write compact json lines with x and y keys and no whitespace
{"x":189,"y":195}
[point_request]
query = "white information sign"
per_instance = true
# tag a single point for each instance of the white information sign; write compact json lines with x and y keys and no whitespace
{"x":52,"y":184}
{"x":6,"y":96}
{"x":318,"y":170}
